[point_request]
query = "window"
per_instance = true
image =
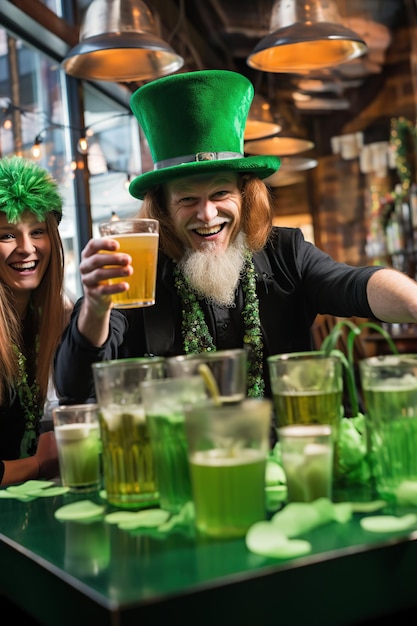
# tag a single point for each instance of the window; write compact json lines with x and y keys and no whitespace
{"x":35,"y":112}
{"x":113,"y":157}
{"x":34,"y":123}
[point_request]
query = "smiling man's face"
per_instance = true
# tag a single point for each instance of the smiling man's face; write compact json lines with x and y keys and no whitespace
{"x":205,"y":209}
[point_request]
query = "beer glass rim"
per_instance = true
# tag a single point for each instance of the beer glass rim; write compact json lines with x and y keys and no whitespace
{"x":247,"y":402}
{"x":217,"y":354}
{"x":129,"y":361}
{"x":287,"y":356}
{"x":127,"y":220}
{"x":389,"y":359}
{"x":170,"y":381}
{"x":388,"y":363}
{"x":90,"y":406}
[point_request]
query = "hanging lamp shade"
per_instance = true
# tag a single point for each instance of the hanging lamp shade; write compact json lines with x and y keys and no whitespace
{"x":278,"y":146}
{"x":119,"y":42}
{"x":290,"y":178}
{"x":305,"y":36}
{"x":290,"y":171}
{"x":260,"y":122}
{"x":321,"y":104}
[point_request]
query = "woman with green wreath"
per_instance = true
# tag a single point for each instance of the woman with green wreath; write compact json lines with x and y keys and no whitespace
{"x":33,"y":312}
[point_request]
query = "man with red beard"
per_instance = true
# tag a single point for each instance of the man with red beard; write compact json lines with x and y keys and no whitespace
{"x":226,"y":277}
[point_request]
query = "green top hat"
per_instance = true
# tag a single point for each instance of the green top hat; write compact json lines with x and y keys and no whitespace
{"x":194,"y":123}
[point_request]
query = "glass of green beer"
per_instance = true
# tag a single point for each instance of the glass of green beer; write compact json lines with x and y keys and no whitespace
{"x":307,"y":388}
{"x":228,"y":446}
{"x":389,"y":385}
{"x":77,"y":435}
{"x":164,"y":401}
{"x":128,"y":462}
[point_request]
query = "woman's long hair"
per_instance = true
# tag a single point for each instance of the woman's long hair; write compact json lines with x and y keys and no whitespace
{"x":256,"y":216}
{"x":49,"y":318}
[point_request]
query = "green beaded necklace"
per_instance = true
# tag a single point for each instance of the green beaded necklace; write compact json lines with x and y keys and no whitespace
{"x":29,"y":401}
{"x":196,"y":334}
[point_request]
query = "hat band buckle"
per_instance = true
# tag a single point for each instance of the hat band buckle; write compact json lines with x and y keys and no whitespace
{"x":199,"y":156}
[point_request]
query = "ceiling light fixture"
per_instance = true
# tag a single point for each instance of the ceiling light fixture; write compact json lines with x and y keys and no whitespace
{"x":260,"y":122}
{"x":321,"y":105}
{"x":334,"y":85}
{"x":305,"y":36}
{"x":278,"y":146}
{"x":290,"y":171}
{"x":119,"y":42}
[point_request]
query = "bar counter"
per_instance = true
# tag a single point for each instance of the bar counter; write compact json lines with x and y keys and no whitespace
{"x":73,"y":573}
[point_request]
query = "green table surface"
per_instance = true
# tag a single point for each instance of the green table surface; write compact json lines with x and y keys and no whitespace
{"x":77,"y":573}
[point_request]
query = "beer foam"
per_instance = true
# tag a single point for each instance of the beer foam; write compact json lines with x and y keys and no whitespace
{"x":113,"y":414}
{"x":72,"y":432}
{"x":406,"y":383}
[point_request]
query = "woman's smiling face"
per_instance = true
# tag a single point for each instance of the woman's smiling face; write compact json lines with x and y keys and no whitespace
{"x":25,"y":252}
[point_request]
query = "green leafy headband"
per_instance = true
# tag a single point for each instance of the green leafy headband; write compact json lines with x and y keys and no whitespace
{"x":25,"y":186}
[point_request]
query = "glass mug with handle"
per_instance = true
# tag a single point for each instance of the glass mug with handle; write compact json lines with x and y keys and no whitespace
{"x":128,"y":462}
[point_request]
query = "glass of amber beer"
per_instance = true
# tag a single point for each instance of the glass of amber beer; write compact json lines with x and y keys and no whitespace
{"x":138,"y":238}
